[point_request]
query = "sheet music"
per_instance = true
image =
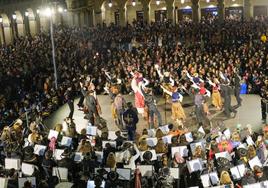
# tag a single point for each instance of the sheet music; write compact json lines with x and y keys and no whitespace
{"x":250,"y":141}
{"x":254,"y":162}
{"x":124,"y":174}
{"x":78,"y":157}
{"x":21,"y":181}
{"x":12,"y":163}
{"x":61,"y":173}
{"x":189,"y":137}
{"x":151,"y":141}
{"x":39,"y":149}
{"x":224,"y":154}
{"x":3,"y":182}
{"x":201,"y":130}
{"x":151,"y":132}
{"x":66,"y":141}
{"x":92,"y":130}
{"x":164,"y":129}
{"x":194,"y":165}
{"x":91,"y":184}
{"x":214,"y":178}
{"x":227,"y":133}
{"x":255,"y":185}
{"x":57,"y":154}
{"x":167,"y":139}
{"x":205,"y":180}
{"x":111,"y":135}
{"x":235,"y":173}
{"x":175,"y":173}
{"x":183,"y":151}
{"x":27,"y":169}
{"x":53,"y":133}
{"x":146,"y":170}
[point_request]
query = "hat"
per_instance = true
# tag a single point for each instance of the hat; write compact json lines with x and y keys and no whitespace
{"x":66,"y":152}
{"x":112,"y":175}
{"x":202,"y":91}
{"x":242,"y":152}
{"x":147,"y":155}
{"x":195,"y":74}
{"x":29,"y":154}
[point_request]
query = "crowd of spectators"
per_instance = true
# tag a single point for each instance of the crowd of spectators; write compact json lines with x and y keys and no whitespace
{"x":206,"y":48}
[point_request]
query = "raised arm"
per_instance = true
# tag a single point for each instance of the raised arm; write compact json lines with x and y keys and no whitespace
{"x":161,"y":76}
{"x":166,"y":91}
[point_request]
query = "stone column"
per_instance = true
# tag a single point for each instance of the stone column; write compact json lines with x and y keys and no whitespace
{"x":247,"y":8}
{"x":2,"y":36}
{"x":146,"y":10}
{"x":98,"y":16}
{"x":170,"y":10}
{"x":221,"y":10}
{"x":122,"y":16}
{"x":90,"y":17}
{"x":33,"y":26}
{"x":8,"y":35}
{"x":195,"y":11}
{"x":20,"y":27}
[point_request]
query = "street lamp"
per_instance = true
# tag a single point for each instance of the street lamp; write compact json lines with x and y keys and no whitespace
{"x":48,"y":13}
{"x":14,"y":16}
{"x":26,"y":13}
{"x":133,"y":3}
{"x":37,"y":11}
{"x":110,"y":4}
{"x":1,"y":20}
{"x":60,"y":9}
{"x":207,"y":1}
{"x":182,"y":1}
{"x":158,"y":2}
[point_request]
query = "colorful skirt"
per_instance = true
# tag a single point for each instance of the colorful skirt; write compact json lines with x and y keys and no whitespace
{"x":216,"y":99}
{"x":177,"y":111}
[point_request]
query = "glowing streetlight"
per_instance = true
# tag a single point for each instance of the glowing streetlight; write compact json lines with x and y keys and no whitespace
{"x":182,"y":1}
{"x":158,"y":2}
{"x":110,"y":4}
{"x":133,"y":3}
{"x":26,"y":13}
{"x":1,"y":19}
{"x":14,"y":16}
{"x":37,"y":11}
{"x":65,"y":10}
{"x":47,"y":12}
{"x":60,"y":9}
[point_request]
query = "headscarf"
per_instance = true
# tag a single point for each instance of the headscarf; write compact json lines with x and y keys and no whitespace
{"x":178,"y":158}
{"x":52,"y":144}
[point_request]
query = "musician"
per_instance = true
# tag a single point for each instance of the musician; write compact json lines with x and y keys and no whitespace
{"x":176,"y":107}
{"x":131,"y":119}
